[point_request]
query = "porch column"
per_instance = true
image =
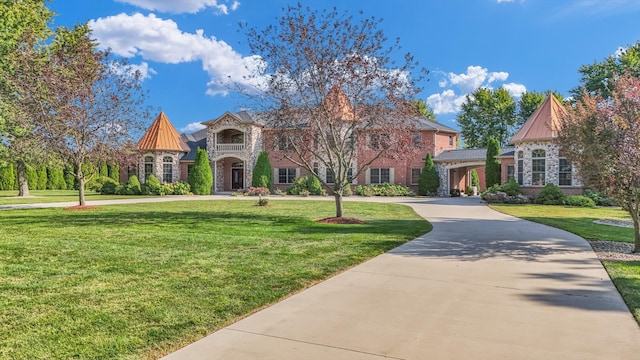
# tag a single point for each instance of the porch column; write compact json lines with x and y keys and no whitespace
{"x":214,"y":170}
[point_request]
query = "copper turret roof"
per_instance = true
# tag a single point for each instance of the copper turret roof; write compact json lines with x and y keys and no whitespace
{"x":543,"y":124}
{"x":161,"y":135}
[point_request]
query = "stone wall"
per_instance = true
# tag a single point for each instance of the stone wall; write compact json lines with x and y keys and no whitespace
{"x":552,"y":163}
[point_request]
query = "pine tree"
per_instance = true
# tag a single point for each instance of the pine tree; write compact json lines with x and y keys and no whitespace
{"x":200,"y":178}
{"x":103,"y":170}
{"x":114,"y":172}
{"x":261,"y":170}
{"x":492,"y":164}
{"x":42,"y":177}
{"x":7,"y":177}
{"x":429,"y":181}
{"x":475,"y":179}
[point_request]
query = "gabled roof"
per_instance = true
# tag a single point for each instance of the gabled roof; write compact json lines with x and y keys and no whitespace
{"x":543,"y":124}
{"x":469,"y":154}
{"x":161,"y":135}
{"x":242,"y":117}
{"x":428,"y":124}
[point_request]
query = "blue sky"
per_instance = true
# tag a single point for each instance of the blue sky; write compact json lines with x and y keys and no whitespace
{"x":187,"y":48}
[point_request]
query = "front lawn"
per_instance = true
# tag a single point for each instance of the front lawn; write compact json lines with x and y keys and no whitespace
{"x":140,"y":281}
{"x":50,"y":196}
{"x":625,"y":274}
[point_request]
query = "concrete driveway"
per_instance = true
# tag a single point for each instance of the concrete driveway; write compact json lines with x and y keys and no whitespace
{"x":481,"y":285}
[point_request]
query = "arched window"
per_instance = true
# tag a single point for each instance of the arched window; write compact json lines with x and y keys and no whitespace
{"x":520,"y":167}
{"x":148,"y":166}
{"x":167,"y":170}
{"x":538,"y":166}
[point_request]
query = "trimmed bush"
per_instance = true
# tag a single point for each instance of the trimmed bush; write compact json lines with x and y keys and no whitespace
{"x":429,"y":181}
{"x":181,"y":188}
{"x":152,"y":186}
{"x":579,"y":200}
{"x":511,"y":188}
{"x":42,"y":178}
{"x":97,"y":182}
{"x":314,"y":185}
{"x":200,"y":178}
{"x":599,"y":199}
{"x":114,"y":172}
{"x":383,"y":190}
{"x":475,"y":179}
{"x":132,"y":187}
{"x":109,"y":186}
{"x":262,"y":172}
{"x":8,"y":177}
{"x":550,"y":195}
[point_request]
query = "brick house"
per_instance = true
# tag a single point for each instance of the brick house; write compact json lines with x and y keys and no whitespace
{"x":234,"y":140}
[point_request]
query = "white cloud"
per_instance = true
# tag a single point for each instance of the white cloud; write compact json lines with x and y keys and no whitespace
{"x":515,"y":90}
{"x":192,"y":127}
{"x":161,"y":40}
{"x":619,"y":52}
{"x":184,"y":6}
{"x":448,"y":101}
{"x":143,"y":68}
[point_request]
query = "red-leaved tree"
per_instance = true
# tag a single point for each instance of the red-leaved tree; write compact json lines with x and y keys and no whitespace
{"x":330,"y":93}
{"x":602,"y":137}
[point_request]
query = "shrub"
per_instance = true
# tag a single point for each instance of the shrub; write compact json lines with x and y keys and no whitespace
{"x":200,"y":178}
{"x":383,"y":190}
{"x":511,"y":188}
{"x":475,"y":179}
{"x":314,"y":186}
{"x":258,"y":191}
{"x":152,"y":186}
{"x":262,"y":172}
{"x":8,"y":177}
{"x":279,"y":192}
{"x":579,"y":200}
{"x":599,"y":199}
{"x":469,"y":190}
{"x":181,"y":188}
{"x":550,"y":195}
{"x":96,"y":183}
{"x":132,"y":187}
{"x":454,"y":192}
{"x":492,"y":165}
{"x":298,"y":185}
{"x":304,"y":193}
{"x":114,"y":172}
{"x":347,"y":190}
{"x":262,"y":202}
{"x":109,"y":186}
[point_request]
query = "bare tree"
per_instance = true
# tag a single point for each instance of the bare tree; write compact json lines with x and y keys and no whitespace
{"x":329,"y":89}
{"x":85,"y":106}
{"x":602,"y":137}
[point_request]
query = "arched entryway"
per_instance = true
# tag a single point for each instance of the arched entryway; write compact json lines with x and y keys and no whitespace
{"x":230,"y":174}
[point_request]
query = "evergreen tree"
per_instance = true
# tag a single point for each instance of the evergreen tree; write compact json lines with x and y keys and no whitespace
{"x":32,"y":176}
{"x":42,"y":177}
{"x":114,"y":172}
{"x":429,"y":181}
{"x":492,"y":165}
{"x":475,"y":179}
{"x":7,"y":177}
{"x":69,"y":178}
{"x":103,"y":170}
{"x":55,"y":178}
{"x":261,"y":170}
{"x":201,"y":179}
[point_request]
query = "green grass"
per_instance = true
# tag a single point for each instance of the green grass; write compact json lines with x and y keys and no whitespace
{"x":49,"y":196}
{"x":139,"y":281}
{"x":625,"y":274}
{"x":574,"y":219}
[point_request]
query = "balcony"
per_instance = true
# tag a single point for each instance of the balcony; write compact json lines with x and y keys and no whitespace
{"x":230,"y":147}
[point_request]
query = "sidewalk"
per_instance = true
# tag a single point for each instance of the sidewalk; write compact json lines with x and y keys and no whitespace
{"x":481,"y":285}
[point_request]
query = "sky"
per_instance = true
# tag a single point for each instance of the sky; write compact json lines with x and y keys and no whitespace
{"x":188,"y":50}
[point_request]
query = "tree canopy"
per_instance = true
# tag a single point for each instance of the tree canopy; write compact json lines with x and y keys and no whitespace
{"x":329,"y":86}
{"x":599,"y":78}
{"x":601,"y":135}
{"x":492,"y":173}
{"x":485,"y":114}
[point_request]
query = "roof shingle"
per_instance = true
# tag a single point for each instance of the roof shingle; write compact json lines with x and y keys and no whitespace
{"x":161,"y":135}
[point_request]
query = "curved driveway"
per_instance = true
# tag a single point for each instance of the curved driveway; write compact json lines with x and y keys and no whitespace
{"x":481,"y":285}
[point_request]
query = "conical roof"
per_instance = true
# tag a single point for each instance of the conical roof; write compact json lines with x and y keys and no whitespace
{"x":338,"y":104}
{"x":543,"y":124}
{"x":161,"y":135}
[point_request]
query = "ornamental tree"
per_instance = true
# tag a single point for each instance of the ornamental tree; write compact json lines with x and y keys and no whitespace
{"x":601,"y":136}
{"x":328,"y":88}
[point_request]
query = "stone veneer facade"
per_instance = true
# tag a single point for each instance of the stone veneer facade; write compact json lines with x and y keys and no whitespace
{"x":158,"y":165}
{"x":552,"y":164}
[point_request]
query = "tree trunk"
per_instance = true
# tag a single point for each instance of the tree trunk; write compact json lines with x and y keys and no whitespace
{"x":339,"y":206}
{"x":81,"y":181}
{"x":636,"y":232}
{"x":23,"y":184}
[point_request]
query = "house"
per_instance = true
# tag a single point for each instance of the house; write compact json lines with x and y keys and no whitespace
{"x":533,"y":159}
{"x":234,"y":140}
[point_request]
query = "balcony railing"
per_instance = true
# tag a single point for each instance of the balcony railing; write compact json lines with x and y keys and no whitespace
{"x":230,"y":147}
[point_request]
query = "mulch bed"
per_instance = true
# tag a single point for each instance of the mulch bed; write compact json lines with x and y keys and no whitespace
{"x":85,"y":207}
{"x":340,"y":220}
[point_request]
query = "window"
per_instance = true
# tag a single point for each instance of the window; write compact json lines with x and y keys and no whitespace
{"x":538,"y":165}
{"x":415,"y":176}
{"x":167,"y":170}
{"x":286,"y":176}
{"x":417,"y":140}
{"x":148,"y":166}
{"x":132,"y":170}
{"x":520,"y":167}
{"x":316,"y":168}
{"x":350,"y":175}
{"x":377,"y":142}
{"x":450,"y":140}
{"x":564,"y":176}
{"x":380,"y":176}
{"x":330,"y":176}
{"x":285,"y":143}
{"x":510,"y":172}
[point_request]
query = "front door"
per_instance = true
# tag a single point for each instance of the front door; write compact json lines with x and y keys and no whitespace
{"x":237,"y":179}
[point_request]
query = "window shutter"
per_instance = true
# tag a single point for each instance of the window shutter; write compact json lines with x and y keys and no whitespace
{"x":276,"y":176}
{"x":391,"y":179}
{"x":297,"y":173}
{"x":367,"y":176}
